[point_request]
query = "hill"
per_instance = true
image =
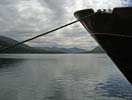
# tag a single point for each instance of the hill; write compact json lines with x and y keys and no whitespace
{"x":23,"y":48}
{"x":5,"y":42}
{"x":59,"y":50}
{"x":97,"y":49}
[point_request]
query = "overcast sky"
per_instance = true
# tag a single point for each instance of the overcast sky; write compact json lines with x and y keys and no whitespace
{"x":22,"y":19}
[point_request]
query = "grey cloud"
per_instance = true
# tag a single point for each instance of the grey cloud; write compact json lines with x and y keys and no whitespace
{"x":57,"y":11}
{"x":82,"y":41}
{"x":8,"y":2}
{"x":57,"y":7}
{"x":22,"y":19}
{"x":8,"y":17}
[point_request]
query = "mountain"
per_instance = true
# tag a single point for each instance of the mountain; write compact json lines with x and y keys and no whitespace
{"x":5,"y":42}
{"x":23,"y":48}
{"x":49,"y":50}
{"x":76,"y":50}
{"x":97,"y":49}
{"x":60,"y":50}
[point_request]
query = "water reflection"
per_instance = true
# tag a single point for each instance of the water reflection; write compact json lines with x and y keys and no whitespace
{"x":115,"y":86}
{"x":61,"y":77}
{"x":8,"y":94}
{"x":8,"y":70}
{"x":6,"y":62}
{"x":56,"y":90}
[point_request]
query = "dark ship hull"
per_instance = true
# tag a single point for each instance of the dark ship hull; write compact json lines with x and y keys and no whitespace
{"x":113,"y":31}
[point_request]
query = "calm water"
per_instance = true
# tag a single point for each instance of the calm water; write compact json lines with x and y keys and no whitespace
{"x":61,"y":77}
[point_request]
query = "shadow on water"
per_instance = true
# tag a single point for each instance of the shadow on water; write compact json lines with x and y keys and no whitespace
{"x":115,"y":86}
{"x":8,"y":62}
{"x":7,"y":90}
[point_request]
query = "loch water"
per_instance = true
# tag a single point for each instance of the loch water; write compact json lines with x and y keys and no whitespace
{"x":61,"y":77}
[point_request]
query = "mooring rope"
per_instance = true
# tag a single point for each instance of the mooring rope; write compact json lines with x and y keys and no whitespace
{"x":55,"y":29}
{"x":58,"y":28}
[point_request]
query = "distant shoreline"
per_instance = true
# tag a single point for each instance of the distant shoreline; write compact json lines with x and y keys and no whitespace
{"x":25,"y":49}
